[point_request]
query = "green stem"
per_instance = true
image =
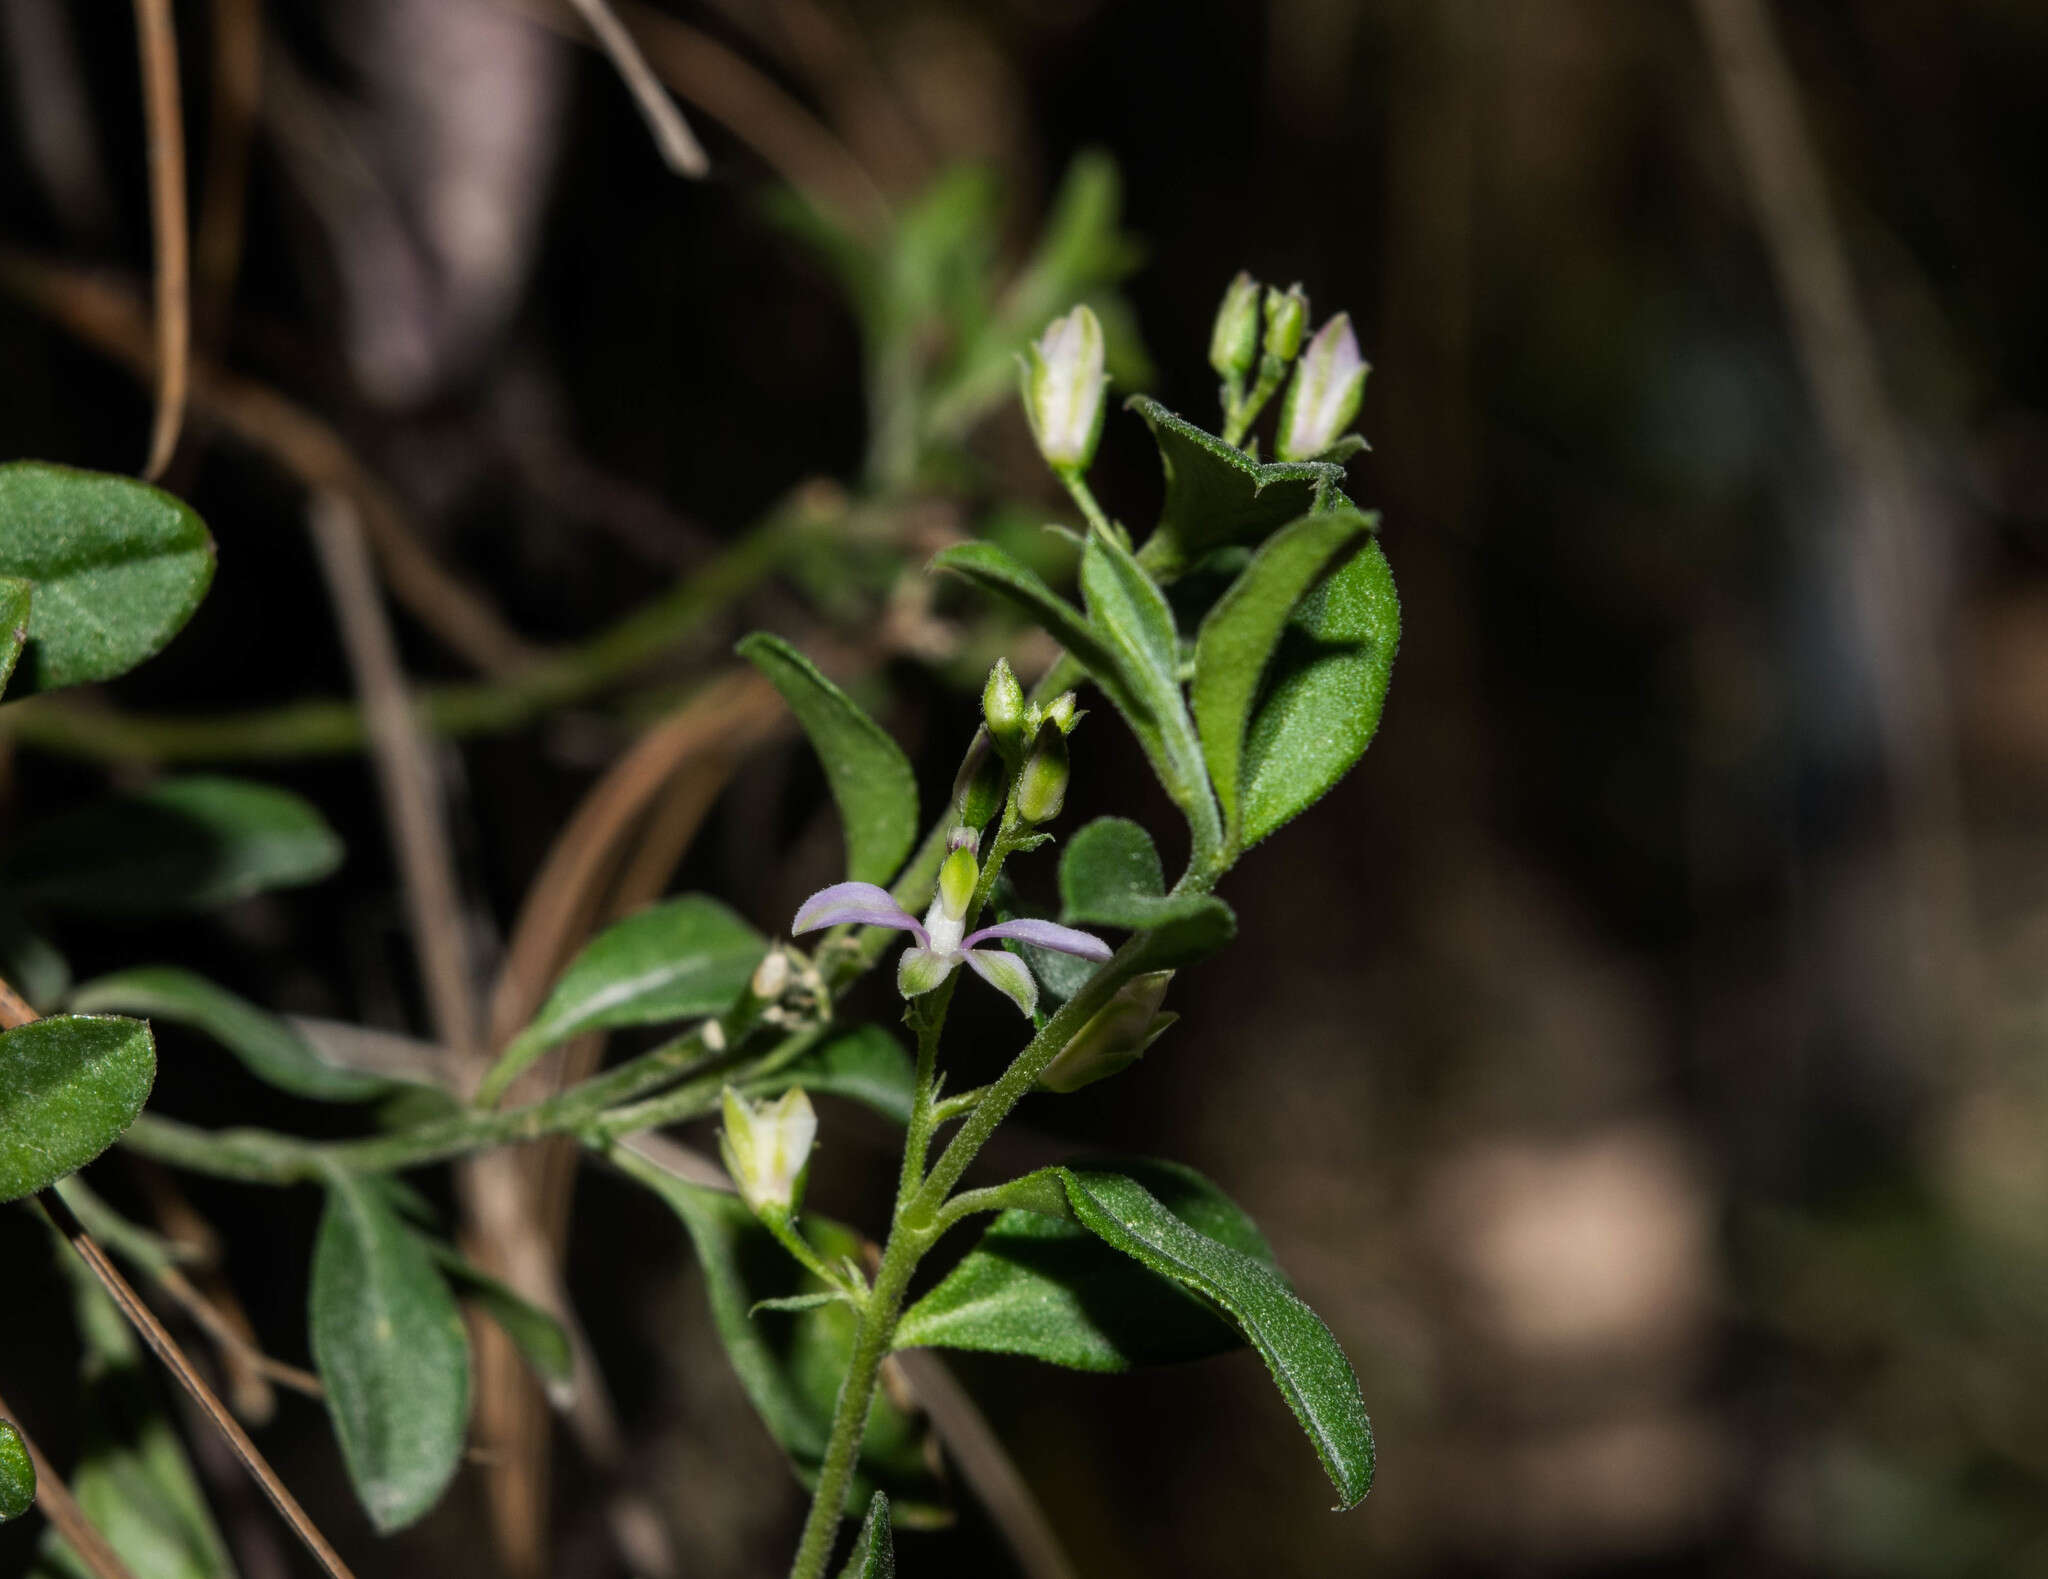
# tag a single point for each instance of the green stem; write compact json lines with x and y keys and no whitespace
{"x":1077,"y":485}
{"x":469,"y":708}
{"x":1237,"y":423}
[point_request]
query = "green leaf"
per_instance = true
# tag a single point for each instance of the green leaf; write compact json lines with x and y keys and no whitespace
{"x":1110,"y":876}
{"x":1033,"y":1294}
{"x":133,"y":1480}
{"x":1323,"y":696}
{"x":538,"y":1335}
{"x":866,"y":1064}
{"x":1045,"y":1287}
{"x":1241,"y":632}
{"x":17,"y":1474}
{"x":1216,"y":494}
{"x":790,"y":1363}
{"x":682,"y":959}
{"x":267,"y":1046}
{"x":874,"y":1550}
{"x":14,"y":607}
{"x":69,"y":1086}
{"x":389,"y":1346}
{"x":870,"y":777}
{"x":182,"y":844}
{"x":30,"y":962}
{"x":118,"y":567}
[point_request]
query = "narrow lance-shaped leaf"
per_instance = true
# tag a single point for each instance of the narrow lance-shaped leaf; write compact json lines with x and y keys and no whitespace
{"x":1110,"y":875}
{"x":535,"y":1333}
{"x":266,"y":1045}
{"x":682,"y":959}
{"x":874,"y":1549}
{"x":17,"y":1474}
{"x":182,"y":844}
{"x":1216,"y":494}
{"x":870,"y":777}
{"x":14,"y":611}
{"x":1042,"y":1286}
{"x":118,"y":568}
{"x":1240,"y":634}
{"x":392,"y":1354}
{"x":1323,"y":694}
{"x":790,"y":1362}
{"x":69,"y":1086}
{"x":1305,"y":1361}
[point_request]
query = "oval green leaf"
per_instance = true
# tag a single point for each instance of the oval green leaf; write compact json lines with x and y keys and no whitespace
{"x":17,"y":1474}
{"x":117,"y":566}
{"x":14,"y":609}
{"x":681,"y":959}
{"x":1216,"y":494}
{"x":870,"y":777}
{"x":267,"y":1046}
{"x":183,"y":844}
{"x":391,"y":1351}
{"x":69,"y":1086}
{"x":1326,"y":686}
{"x":1240,"y":633}
{"x":1111,"y":876}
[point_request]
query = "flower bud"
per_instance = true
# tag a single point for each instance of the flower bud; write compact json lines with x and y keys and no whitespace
{"x":1115,"y":1038}
{"x":771,"y":976}
{"x":1063,"y":379}
{"x":767,"y":1149}
{"x":1323,"y":398}
{"x":978,"y":791}
{"x":957,"y":878}
{"x":1063,"y":712}
{"x":1286,"y":320}
{"x":1004,"y":708}
{"x":1234,"y":342}
{"x":1042,"y":782}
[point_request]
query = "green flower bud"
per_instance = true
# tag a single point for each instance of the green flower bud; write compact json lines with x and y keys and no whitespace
{"x":978,"y":791}
{"x":1115,"y":1038}
{"x":1042,"y":782}
{"x":1004,"y":708}
{"x":1286,"y":321}
{"x":1063,"y":712}
{"x":956,"y":881}
{"x":1234,"y":342}
{"x":767,"y":1149}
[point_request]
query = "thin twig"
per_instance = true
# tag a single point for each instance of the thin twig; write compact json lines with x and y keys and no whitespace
{"x":680,"y":150}
{"x":158,"y":41}
{"x":222,"y":1328}
{"x":166,"y":1349}
{"x":64,"y":1513}
{"x":405,"y":776}
{"x":109,"y":318}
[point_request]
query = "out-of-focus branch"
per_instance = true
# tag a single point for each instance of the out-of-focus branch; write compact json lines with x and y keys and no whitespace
{"x":1888,"y":508}
{"x":66,"y":1517}
{"x":680,"y":150}
{"x":405,"y":776}
{"x":237,"y":27}
{"x":158,"y":41}
{"x":110,"y":319}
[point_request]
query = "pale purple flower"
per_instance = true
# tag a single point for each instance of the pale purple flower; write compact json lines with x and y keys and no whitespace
{"x":939,"y":946}
{"x":1323,"y":398}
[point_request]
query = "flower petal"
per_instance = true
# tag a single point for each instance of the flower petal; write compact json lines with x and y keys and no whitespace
{"x":920,"y":970}
{"x":1044,"y":934}
{"x":862,"y":904}
{"x":1007,"y":974}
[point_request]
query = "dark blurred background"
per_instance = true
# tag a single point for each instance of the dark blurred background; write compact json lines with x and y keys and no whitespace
{"x":1641,"y":1061}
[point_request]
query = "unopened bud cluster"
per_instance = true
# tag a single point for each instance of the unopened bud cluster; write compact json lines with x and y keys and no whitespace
{"x":1021,"y":739}
{"x":1328,"y":372}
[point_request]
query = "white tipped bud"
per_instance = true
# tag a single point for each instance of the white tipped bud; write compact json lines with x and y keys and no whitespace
{"x":771,"y":976}
{"x":1234,"y":342}
{"x":1115,"y":1037}
{"x":767,"y":1149}
{"x":1323,"y":397}
{"x":1063,"y":379}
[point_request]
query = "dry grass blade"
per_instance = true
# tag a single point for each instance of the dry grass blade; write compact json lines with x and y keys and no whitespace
{"x":680,"y":150}
{"x":111,"y":320}
{"x":66,"y":1517}
{"x":158,"y":41}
